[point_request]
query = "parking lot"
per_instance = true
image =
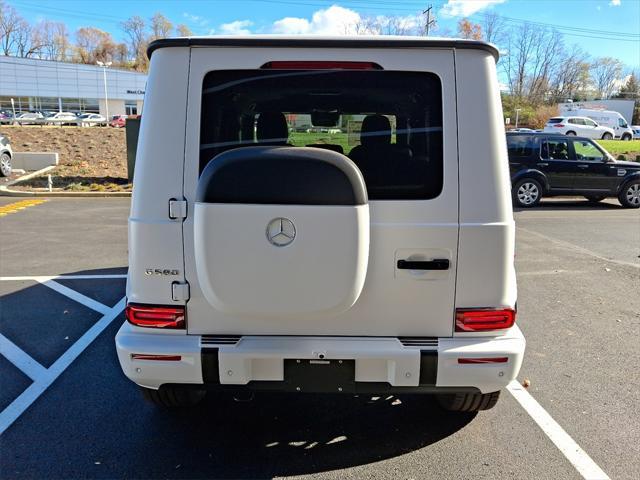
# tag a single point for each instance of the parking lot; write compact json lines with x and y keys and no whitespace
{"x":67,"y":411}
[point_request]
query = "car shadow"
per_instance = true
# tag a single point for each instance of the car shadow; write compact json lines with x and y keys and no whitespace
{"x":572,"y":205}
{"x":279,"y":435}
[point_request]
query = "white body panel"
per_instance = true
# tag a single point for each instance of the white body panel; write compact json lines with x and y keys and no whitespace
{"x":376,"y":359}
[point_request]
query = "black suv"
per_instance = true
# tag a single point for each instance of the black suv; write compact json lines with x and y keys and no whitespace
{"x":551,"y":164}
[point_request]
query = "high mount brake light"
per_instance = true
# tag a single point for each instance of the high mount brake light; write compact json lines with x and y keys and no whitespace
{"x":155,"y":316}
{"x":478,"y":320}
{"x":324,"y":65}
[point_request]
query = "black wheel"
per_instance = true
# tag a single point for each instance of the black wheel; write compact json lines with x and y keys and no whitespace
{"x":527,"y":193}
{"x":171,"y":397}
{"x":5,"y":164}
{"x":571,"y":133}
{"x":607,"y":136}
{"x":629,"y":196}
{"x":595,"y":198}
{"x":468,"y":402}
{"x":626,"y":137}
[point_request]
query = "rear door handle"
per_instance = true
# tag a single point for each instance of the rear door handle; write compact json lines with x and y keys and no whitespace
{"x":543,"y":164}
{"x":583,"y":166}
{"x":435,"y":264}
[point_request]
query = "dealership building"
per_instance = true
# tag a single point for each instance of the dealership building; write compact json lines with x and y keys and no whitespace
{"x":44,"y":85}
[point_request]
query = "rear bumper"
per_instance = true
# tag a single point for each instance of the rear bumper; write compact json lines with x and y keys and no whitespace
{"x":377,"y":364}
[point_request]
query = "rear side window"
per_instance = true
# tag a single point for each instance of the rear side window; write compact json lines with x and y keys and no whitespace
{"x":388,"y":122}
{"x":555,"y":120}
{"x":521,"y":146}
{"x":556,"y":149}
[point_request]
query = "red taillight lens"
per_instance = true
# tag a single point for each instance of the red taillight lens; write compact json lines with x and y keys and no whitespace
{"x":479,"y":361}
{"x":160,"y":358}
{"x":470,"y":320}
{"x":310,"y":65}
{"x":158,"y":317}
{"x":558,"y":125}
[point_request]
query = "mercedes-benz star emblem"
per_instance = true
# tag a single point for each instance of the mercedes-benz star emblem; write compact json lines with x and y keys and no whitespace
{"x":281,"y":232}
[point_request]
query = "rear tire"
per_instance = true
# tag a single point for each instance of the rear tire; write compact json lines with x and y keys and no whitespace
{"x":171,"y":397}
{"x":571,"y":133}
{"x":595,"y":198}
{"x":629,"y":196}
{"x":607,"y":136}
{"x":527,"y":193}
{"x":468,"y":402}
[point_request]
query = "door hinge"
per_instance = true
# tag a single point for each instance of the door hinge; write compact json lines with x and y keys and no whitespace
{"x":177,"y":209}
{"x":179,"y":291}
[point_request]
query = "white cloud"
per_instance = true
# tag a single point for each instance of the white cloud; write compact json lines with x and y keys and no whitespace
{"x":196,"y":19}
{"x":334,"y":20}
{"x":239,"y":27}
{"x":614,"y":3}
{"x":464,"y":8}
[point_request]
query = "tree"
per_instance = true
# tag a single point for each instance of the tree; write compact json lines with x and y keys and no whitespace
{"x":135,"y":30}
{"x":183,"y":31}
{"x":631,"y":91}
{"x":93,"y":45}
{"x":570,"y":77}
{"x":160,"y":27}
{"x":16,"y":35}
{"x":493,"y":28}
{"x":53,"y":38}
{"x":604,"y":72}
{"x":467,"y":29}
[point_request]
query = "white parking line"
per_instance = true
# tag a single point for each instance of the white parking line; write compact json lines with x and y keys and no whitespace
{"x":561,"y":439}
{"x":40,"y":278}
{"x":78,"y":297}
{"x":20,"y":358}
{"x":44,"y":380}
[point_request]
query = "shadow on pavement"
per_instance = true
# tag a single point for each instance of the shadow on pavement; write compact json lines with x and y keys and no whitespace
{"x":573,"y":204}
{"x":278,"y":434}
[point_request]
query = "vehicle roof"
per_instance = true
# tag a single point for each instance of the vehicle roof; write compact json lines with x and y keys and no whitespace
{"x":317,"y":41}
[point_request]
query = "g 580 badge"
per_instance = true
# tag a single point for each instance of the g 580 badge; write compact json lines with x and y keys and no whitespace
{"x":160,"y":271}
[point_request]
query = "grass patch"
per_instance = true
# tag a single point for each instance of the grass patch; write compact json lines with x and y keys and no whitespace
{"x":618,"y":147}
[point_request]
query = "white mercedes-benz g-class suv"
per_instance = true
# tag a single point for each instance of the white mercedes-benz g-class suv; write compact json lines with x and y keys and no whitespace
{"x":317,"y":214}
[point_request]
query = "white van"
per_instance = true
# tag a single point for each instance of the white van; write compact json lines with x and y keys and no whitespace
{"x":261,"y":257}
{"x":607,"y":118}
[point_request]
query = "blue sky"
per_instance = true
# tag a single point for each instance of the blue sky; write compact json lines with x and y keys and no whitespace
{"x":601,"y":27}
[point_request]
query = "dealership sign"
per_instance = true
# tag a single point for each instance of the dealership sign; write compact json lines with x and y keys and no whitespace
{"x":135,"y":92}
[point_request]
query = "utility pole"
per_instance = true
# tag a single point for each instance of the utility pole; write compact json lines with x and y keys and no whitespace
{"x":429,"y":22}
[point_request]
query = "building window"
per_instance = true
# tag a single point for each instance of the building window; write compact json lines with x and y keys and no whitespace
{"x":130,"y":108}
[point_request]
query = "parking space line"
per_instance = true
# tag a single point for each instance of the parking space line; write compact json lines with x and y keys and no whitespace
{"x":78,"y":297}
{"x":41,"y":278}
{"x":578,"y":249}
{"x":20,"y":359}
{"x":44,"y":381}
{"x":581,"y":461}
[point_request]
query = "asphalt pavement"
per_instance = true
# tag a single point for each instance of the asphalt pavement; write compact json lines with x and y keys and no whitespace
{"x":74,"y":415}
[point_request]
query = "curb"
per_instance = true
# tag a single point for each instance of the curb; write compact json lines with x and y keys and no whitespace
{"x":5,"y":191}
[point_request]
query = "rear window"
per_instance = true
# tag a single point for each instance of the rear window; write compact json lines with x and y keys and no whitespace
{"x":388,"y":122}
{"x":555,"y":120}
{"x":521,"y":146}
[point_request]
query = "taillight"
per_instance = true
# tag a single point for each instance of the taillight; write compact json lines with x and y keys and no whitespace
{"x":482,"y":360}
{"x":159,"y":358}
{"x":476,"y":320}
{"x":155,"y":316}
{"x":558,"y":125}
{"x":324,"y":65}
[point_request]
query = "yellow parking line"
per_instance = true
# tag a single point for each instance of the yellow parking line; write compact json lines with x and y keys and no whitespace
{"x":17,"y":206}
